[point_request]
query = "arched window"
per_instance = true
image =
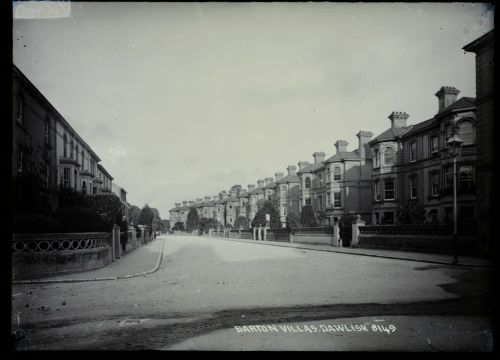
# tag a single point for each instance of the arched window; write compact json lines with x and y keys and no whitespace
{"x":308,"y":183}
{"x":466,"y":132}
{"x":389,"y":156}
{"x":336,"y":173}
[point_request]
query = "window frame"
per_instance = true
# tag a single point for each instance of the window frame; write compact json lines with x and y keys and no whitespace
{"x":413,"y":151}
{"x":386,"y":163}
{"x":413,"y":186}
{"x":337,"y":199}
{"x":393,"y":181}
{"x":337,"y":176}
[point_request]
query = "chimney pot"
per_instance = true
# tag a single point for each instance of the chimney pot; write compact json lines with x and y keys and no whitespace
{"x":447,"y":95}
{"x":302,"y":164}
{"x":291,"y":169}
{"x":319,"y":156}
{"x":398,"y":119}
{"x":341,"y":146}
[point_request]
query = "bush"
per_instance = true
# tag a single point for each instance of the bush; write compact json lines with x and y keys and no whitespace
{"x":260,"y":217}
{"x":241,"y":222}
{"x":35,"y":223}
{"x":81,"y":219}
{"x":307,"y":218}
{"x":292,"y":221}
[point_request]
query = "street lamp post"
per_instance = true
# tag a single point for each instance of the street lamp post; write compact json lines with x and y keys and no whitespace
{"x":454,"y":145}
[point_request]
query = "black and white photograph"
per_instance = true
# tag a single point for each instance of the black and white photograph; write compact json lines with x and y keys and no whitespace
{"x":252,"y":176}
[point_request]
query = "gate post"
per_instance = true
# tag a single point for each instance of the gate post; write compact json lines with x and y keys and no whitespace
{"x":336,"y":233}
{"x":355,"y":230}
{"x":117,"y":242}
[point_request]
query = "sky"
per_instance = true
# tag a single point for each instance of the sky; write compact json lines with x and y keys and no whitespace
{"x":183,"y":100}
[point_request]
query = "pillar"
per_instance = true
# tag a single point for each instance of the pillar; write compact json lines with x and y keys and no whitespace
{"x":355,"y":231}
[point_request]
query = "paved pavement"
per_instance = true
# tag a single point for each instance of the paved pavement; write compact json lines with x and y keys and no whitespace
{"x":141,"y":261}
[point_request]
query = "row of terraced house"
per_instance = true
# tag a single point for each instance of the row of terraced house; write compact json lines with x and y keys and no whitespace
{"x":44,"y":143}
{"x":403,"y":166}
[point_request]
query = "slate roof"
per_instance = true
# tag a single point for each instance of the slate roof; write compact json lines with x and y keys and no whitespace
{"x":344,"y":155}
{"x":269,"y":186}
{"x":462,"y":103}
{"x":420,"y":126}
{"x":390,"y":134}
{"x":310,"y":168}
{"x":288,"y":179}
{"x":256,"y":191}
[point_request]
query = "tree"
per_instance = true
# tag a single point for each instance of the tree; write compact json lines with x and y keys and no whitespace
{"x":410,"y":214}
{"x":241,"y":222}
{"x":260,"y":217}
{"x":178,"y":226}
{"x":193,"y":220}
{"x":133,"y":214}
{"x":206,"y":224}
{"x":109,"y":207}
{"x":292,"y":221}
{"x":164,"y":225}
{"x":146,"y":216}
{"x":307,"y":218}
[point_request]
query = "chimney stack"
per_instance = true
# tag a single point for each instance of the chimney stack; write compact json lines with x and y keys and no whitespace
{"x":319,"y":156}
{"x":291,"y":169}
{"x":447,"y":95}
{"x":341,"y":146}
{"x":216,"y":197}
{"x":207,"y":198}
{"x":177,"y":204}
{"x":184,"y":203}
{"x":302,"y":164}
{"x":199,"y":200}
{"x":398,"y":119}
{"x":278,"y":175}
{"x":251,"y":187}
{"x":363,"y":147}
{"x":260,"y":183}
{"x":191,"y":203}
{"x":268,"y":180}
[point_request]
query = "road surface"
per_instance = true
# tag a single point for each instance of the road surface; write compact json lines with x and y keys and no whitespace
{"x":206,"y":289}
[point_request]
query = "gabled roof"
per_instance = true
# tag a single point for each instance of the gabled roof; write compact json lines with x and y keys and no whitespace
{"x":288,"y":179}
{"x":310,"y":168}
{"x":344,"y":155}
{"x":485,"y":40}
{"x":244,"y":194}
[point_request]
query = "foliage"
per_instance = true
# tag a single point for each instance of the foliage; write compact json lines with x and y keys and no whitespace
{"x":292,"y":221}
{"x":31,"y":223}
{"x":410,"y":214}
{"x":260,"y":217}
{"x":31,"y":195}
{"x":164,"y":225}
{"x":241,"y":223}
{"x":307,"y":218}
{"x":178,"y":226}
{"x":133,"y":214}
{"x":109,"y":207}
{"x":81,"y":219}
{"x":146,"y":216}
{"x":193,"y":220}
{"x":206,"y":224}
